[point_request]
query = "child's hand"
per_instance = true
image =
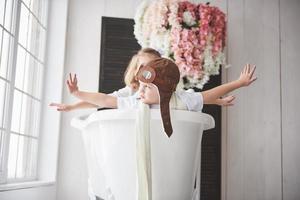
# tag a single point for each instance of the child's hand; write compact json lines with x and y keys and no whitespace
{"x":246,"y":77}
{"x":61,"y":107}
{"x":72,"y":83}
{"x":226,"y":101}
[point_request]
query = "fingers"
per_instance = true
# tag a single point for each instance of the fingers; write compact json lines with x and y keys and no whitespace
{"x":59,"y":106}
{"x":244,"y":70}
{"x":228,"y":101}
{"x":69,"y":84}
{"x":75,"y":79}
{"x":252,"y":71}
{"x":248,"y":68}
{"x":69,"y":81}
{"x":72,"y":80}
{"x":54,"y":104}
{"x":231,"y":98}
{"x":253,"y":79}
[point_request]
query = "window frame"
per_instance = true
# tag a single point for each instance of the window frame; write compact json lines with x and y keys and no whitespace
{"x":10,"y":85}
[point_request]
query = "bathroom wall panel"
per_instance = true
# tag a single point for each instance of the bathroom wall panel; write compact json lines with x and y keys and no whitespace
{"x":263,"y":135}
{"x":290,"y":72}
{"x":235,"y":121}
{"x":254,"y":145}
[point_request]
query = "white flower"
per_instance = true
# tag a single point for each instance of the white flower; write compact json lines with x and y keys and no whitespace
{"x":139,"y":20}
{"x":188,"y":18}
{"x":211,"y":66}
{"x":220,"y":59}
{"x":202,"y":82}
{"x":161,"y":42}
{"x":173,"y":19}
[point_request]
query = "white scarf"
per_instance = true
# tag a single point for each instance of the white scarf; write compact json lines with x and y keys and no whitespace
{"x":143,"y":153}
{"x":143,"y":147}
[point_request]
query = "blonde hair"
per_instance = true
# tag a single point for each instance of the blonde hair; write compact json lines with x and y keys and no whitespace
{"x":130,"y":73}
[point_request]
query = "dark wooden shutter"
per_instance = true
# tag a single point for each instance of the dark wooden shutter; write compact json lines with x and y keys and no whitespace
{"x":211,"y":150}
{"x":118,"y":44}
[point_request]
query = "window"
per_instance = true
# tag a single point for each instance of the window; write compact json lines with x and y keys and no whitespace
{"x":23,"y":30}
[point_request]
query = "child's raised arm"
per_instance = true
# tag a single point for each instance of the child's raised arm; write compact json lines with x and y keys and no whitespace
{"x":245,"y":79}
{"x":99,"y":99}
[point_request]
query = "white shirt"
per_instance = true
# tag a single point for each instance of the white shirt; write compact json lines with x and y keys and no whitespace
{"x":192,"y":100}
{"x":123,"y":92}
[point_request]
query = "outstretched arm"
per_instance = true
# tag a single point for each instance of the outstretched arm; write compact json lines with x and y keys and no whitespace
{"x":246,"y":78}
{"x":226,"y":101}
{"x":70,"y":107}
{"x":99,"y":99}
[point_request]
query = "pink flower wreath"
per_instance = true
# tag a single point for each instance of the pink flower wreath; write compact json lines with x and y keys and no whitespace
{"x":193,"y":35}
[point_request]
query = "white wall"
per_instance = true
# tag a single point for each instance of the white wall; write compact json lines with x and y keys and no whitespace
{"x":82,"y":57}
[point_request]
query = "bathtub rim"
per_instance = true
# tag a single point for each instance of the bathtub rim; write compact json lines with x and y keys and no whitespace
{"x":83,"y":121}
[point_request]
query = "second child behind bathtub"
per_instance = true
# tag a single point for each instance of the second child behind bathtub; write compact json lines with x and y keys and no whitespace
{"x":158,"y":80}
{"x":143,"y":56}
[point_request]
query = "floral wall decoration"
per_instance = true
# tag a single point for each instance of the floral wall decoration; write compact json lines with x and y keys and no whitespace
{"x":192,"y":35}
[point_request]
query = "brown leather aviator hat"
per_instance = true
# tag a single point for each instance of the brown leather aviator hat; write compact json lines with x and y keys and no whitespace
{"x":163,"y":73}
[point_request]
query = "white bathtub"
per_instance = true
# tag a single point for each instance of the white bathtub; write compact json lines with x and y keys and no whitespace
{"x":109,"y":138}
